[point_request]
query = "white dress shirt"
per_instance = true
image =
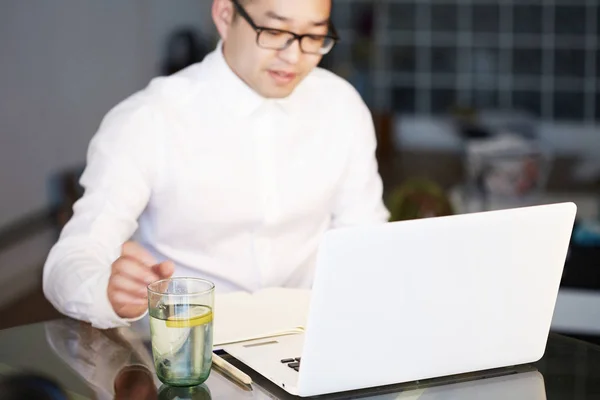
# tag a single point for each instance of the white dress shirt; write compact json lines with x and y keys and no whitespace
{"x":231,"y":186}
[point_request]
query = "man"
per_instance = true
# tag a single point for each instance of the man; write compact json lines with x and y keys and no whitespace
{"x":232,"y":168}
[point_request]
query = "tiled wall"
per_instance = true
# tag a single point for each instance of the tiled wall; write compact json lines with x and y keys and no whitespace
{"x":429,"y":56}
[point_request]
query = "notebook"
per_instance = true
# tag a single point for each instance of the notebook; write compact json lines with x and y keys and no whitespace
{"x":242,"y":316}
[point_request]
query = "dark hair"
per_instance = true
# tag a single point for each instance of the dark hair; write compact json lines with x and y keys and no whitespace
{"x":244,"y":2}
{"x":195,"y":47}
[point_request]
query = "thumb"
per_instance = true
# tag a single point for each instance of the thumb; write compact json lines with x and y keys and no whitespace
{"x":164,"y":270}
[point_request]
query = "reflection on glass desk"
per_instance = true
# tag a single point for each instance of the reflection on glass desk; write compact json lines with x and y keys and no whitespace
{"x":115,"y":364}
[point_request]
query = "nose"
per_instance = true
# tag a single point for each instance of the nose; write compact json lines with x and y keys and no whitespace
{"x":292,"y":53}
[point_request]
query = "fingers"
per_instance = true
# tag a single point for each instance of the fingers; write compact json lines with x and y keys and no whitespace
{"x":130,"y":276}
{"x":123,"y":297}
{"x":127,"y":285}
{"x":134,"y":270}
{"x":161,"y":271}
{"x":136,"y":251}
{"x":124,"y":283}
{"x":164,"y":270}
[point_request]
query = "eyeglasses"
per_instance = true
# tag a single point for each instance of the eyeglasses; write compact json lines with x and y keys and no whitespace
{"x":279,"y":39}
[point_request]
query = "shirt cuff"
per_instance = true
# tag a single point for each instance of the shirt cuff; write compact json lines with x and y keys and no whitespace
{"x":104,"y":316}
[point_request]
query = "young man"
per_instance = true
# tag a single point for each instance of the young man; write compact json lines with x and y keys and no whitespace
{"x":232,"y":169}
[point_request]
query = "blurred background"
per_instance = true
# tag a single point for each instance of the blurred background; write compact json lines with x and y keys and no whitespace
{"x":478,"y":105}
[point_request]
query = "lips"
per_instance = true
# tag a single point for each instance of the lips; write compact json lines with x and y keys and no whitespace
{"x":282,"y":77}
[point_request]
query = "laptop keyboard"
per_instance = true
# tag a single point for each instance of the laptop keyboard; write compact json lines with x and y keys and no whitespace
{"x":293,"y":363}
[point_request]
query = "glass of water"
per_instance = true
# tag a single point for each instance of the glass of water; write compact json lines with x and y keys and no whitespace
{"x":181,"y":325}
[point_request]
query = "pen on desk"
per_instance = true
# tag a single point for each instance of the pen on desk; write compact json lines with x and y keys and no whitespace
{"x":232,"y":372}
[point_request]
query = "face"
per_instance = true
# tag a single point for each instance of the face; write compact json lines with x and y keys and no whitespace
{"x":271,"y":73}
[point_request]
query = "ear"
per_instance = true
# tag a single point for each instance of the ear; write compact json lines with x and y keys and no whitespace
{"x":222,"y":14}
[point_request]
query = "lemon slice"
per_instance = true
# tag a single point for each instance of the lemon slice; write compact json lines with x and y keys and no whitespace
{"x":198,"y":315}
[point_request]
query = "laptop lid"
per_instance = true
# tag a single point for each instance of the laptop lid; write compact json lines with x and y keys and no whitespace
{"x":426,"y":298}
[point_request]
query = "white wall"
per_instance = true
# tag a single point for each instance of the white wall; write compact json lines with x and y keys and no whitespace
{"x":63,"y":65}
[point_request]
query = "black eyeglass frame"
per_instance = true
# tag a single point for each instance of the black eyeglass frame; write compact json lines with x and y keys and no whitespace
{"x":259,"y":29}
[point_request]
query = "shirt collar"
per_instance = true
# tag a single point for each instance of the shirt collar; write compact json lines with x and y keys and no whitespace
{"x":235,"y":93}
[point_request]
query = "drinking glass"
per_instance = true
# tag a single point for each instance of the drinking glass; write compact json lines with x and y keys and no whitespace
{"x":181,"y":325}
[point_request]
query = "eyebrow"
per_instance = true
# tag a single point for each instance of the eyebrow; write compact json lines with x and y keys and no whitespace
{"x":273,"y":15}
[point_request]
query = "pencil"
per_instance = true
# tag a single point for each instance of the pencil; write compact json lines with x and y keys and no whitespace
{"x":231,"y":371}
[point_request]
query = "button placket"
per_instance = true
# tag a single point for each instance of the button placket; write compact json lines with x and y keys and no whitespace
{"x":265,"y":151}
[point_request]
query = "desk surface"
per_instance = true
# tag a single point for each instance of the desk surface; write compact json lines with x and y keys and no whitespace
{"x":90,"y":363}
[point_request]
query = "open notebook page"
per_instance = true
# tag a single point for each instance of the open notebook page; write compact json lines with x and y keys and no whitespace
{"x":242,"y":316}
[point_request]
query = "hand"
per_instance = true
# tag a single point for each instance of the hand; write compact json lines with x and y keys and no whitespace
{"x":131,"y":273}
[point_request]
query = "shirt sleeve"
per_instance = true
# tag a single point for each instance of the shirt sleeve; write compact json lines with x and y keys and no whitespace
{"x":117,"y":182}
{"x":359,"y":200}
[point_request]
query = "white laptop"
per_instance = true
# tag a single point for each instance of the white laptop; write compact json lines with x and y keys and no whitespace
{"x":419,"y":299}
